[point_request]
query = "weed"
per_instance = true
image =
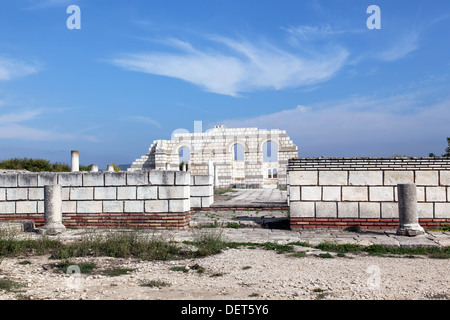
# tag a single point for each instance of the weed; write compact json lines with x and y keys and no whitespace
{"x":154,"y":283}
{"x":280,"y":248}
{"x":24,"y":262}
{"x":246,"y":267}
{"x":300,"y":254}
{"x":334,"y":247}
{"x":233,"y":225}
{"x":326,"y":255}
{"x":217,"y":274}
{"x":209,"y":243}
{"x":198,"y":268}
{"x":9,"y":285}
{"x":183,"y":269}
{"x":254,"y":295}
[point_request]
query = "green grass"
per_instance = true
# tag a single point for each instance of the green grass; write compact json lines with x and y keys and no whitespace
{"x":341,"y":248}
{"x":221,"y":191}
{"x":300,"y":254}
{"x":182,"y":269}
{"x":280,"y":248}
{"x":246,"y":267}
{"x":154,"y":283}
{"x":326,"y":255}
{"x":24,"y":262}
{"x":10,"y":246}
{"x":9,"y":285}
{"x":233,"y":225}
{"x":85,"y":267}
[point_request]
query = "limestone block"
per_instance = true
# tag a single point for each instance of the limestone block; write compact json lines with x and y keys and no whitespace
{"x":47,"y":179}
{"x":203,"y":180}
{"x":303,"y":178}
{"x":2,"y":194}
{"x":365,"y":178}
{"x":326,"y":210}
{"x":41,"y":207}
{"x":369,"y":210}
{"x":138,"y":178}
{"x":179,"y":205}
{"x":16,"y":194}
{"x":147,"y":192}
{"x":160,"y":177}
{"x":69,"y":207}
{"x":82,"y":193}
{"x":348,"y":210}
{"x":444,"y":177}
{"x":8,"y":180}
{"x":173,"y":192}
{"x":434,"y":194}
{"x":35,"y":194}
{"x":27,"y":180}
{"x":196,"y":202}
{"x":420,"y":194}
{"x":389,"y":210}
{"x":26,"y":207}
{"x":113,"y":206}
{"x":72,"y":179}
{"x":427,"y":178}
{"x":300,"y":209}
{"x":381,"y":194}
{"x":93,"y":179}
{"x":115,"y":178}
{"x":442,"y":211}
{"x":331,"y":193}
{"x":7,"y":207}
{"x":156,"y":206}
{"x":207,"y":201}
{"x":183,"y":178}
{"x":425,"y":210}
{"x":333,"y":178}
{"x":126,"y":193}
{"x":200,"y":191}
{"x":294,"y":193}
{"x":105,"y":193}
{"x":89,"y":206}
{"x":311,"y":193}
{"x":134,"y":206}
{"x":354,"y":194}
{"x":65,"y":192}
{"x":392,"y":178}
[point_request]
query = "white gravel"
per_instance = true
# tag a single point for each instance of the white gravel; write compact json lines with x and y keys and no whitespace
{"x":237,"y":274}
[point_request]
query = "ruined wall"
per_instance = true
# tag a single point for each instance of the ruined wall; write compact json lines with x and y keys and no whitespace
{"x":342,"y":192}
{"x":216,"y":146}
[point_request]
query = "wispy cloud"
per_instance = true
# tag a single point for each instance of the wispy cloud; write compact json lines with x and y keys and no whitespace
{"x":403,"y":47}
{"x":143,"y":119}
{"x":241,"y":67}
{"x":13,"y":68}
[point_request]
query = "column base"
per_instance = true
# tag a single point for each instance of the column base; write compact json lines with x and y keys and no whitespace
{"x":52,"y":229}
{"x":410,"y":230}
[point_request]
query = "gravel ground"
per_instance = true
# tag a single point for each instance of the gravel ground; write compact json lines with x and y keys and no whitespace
{"x":236,"y":274}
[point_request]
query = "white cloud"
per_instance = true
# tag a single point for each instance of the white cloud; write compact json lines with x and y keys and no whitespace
{"x":246,"y":67}
{"x":403,"y":47}
{"x":143,"y":119}
{"x":13,"y":68}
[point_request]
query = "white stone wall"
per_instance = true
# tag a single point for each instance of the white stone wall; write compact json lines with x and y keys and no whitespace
{"x":367,"y":188}
{"x":202,"y":191}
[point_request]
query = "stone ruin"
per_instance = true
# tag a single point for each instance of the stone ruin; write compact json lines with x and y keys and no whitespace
{"x":241,"y":157}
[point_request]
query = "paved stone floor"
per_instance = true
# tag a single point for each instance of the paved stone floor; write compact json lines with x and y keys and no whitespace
{"x":252,"y":198}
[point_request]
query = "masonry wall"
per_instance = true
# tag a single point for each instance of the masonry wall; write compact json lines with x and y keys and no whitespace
{"x":344,"y":192}
{"x":201,"y":191}
{"x":147,"y":199}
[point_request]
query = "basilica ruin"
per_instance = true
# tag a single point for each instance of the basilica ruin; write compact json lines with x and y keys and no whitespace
{"x":238,"y":157}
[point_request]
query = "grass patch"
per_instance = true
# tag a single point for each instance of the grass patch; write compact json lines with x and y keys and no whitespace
{"x":197,"y":268}
{"x":217,"y":274}
{"x":339,"y":248}
{"x":254,"y":295}
{"x":117,"y":272}
{"x":233,"y":225}
{"x":154,"y":283}
{"x":183,"y":269}
{"x":208,"y":243}
{"x":326,"y":255}
{"x":221,"y":191}
{"x":246,"y":267}
{"x":24,"y":262}
{"x":85,"y":267}
{"x":300,"y":254}
{"x":10,"y":246}
{"x":9,"y":285}
{"x":280,"y":248}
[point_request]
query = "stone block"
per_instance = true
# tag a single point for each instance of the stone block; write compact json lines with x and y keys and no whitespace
{"x":331,"y":194}
{"x":389,"y":210}
{"x":112,"y":206}
{"x":65,"y":193}
{"x":156,"y":206}
{"x":27,"y":180}
{"x":82,"y":193}
{"x":355,"y":194}
{"x":326,"y":210}
{"x":115,"y":178}
{"x":139,"y":178}
{"x":173,"y":192}
{"x":196,"y":202}
{"x":381,"y":194}
{"x":69,"y":207}
{"x":8,"y":180}
{"x":392,"y":178}
{"x":2,"y":194}
{"x":207,"y":201}
{"x":134,"y":206}
{"x":202,"y":180}
{"x":93,"y":179}
{"x":126,"y":193}
{"x":7,"y":207}
{"x":427,"y":178}
{"x":41,"y":207}
{"x":179,"y":205}
{"x":36,"y":193}
{"x":184,"y":178}
{"x":162,"y":178}
{"x":333,"y":178}
{"x":348,"y":210}
{"x":435,"y":194}
{"x":72,"y":179}
{"x":16,"y":194}
{"x":425,"y":210}
{"x":89,"y":206}
{"x":105,"y":193}
{"x":311,"y":193}
{"x":26,"y":207}
{"x":369,"y":210}
{"x":444,"y":177}
{"x":200,"y":191}
{"x":365,"y":178}
{"x":147,"y":193}
{"x":300,"y":209}
{"x":294,"y":193}
{"x":303,"y":178}
{"x":47,"y":179}
{"x":442,"y":210}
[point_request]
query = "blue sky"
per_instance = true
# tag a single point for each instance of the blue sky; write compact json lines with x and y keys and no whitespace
{"x":138,"y":70}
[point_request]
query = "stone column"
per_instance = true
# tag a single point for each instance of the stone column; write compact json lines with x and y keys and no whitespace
{"x":183,"y":166}
{"x":94,"y":167}
{"x":216,"y":177}
{"x":75,"y":161}
{"x":53,"y":210}
{"x":407,"y":211}
{"x":110,"y":168}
